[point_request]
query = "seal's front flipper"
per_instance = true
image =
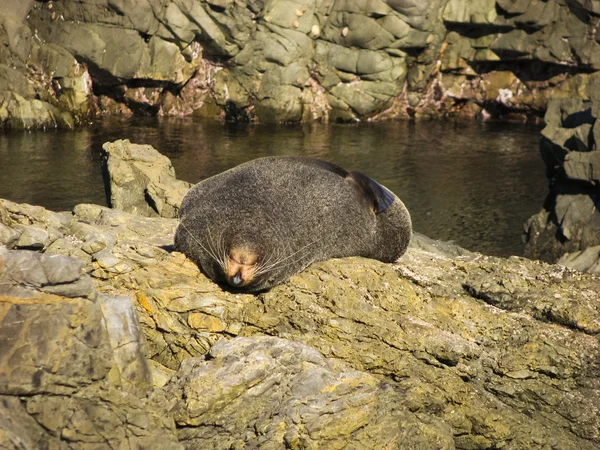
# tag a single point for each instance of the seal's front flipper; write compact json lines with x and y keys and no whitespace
{"x":378,"y":196}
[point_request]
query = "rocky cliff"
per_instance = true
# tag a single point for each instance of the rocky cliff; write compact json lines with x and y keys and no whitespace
{"x":292,"y":60}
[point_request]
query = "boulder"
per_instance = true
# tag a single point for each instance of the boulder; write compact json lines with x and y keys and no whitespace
{"x":141,"y":180}
{"x":66,"y":359}
{"x":296,"y":398}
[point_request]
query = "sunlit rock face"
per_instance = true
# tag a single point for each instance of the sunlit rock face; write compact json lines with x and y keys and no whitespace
{"x":292,"y":61}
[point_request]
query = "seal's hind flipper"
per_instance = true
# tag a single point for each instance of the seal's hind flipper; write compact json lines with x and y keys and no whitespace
{"x":330,"y":167}
{"x":379,"y":196}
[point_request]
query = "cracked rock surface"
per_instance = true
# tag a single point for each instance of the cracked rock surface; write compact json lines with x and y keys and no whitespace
{"x":444,"y":349}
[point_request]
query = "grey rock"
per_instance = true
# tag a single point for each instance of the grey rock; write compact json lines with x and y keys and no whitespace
{"x":18,"y":9}
{"x":60,"y":269}
{"x":127,"y":341}
{"x":583,"y":165}
{"x":51,"y":347}
{"x":142,"y":181}
{"x":52,"y":273}
{"x":570,"y":222}
{"x":587,"y":260}
{"x":82,"y":287}
{"x":17,"y":428}
{"x":8,"y":236}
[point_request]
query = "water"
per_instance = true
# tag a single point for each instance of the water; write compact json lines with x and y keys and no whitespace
{"x":472,"y":183}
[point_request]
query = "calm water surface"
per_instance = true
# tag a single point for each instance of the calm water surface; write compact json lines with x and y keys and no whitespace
{"x":473,"y":184}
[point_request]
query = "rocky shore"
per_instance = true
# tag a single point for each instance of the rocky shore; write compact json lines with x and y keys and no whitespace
{"x":111,"y":339}
{"x":292,"y":60}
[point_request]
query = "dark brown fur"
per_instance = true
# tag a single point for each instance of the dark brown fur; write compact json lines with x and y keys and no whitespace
{"x":259,"y":223}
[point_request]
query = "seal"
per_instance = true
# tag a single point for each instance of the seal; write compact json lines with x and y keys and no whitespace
{"x":255,"y":225}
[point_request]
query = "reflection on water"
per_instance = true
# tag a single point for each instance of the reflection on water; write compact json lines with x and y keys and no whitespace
{"x":474,"y":184}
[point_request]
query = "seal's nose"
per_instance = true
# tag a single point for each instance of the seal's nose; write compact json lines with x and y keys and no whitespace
{"x":237,"y":280}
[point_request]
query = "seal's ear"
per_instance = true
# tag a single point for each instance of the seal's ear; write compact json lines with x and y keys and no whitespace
{"x":377,"y":195}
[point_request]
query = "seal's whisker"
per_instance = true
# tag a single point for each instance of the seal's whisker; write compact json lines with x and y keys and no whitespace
{"x":289,"y":263}
{"x":280,"y":251}
{"x":197,"y":241}
{"x":278,"y":262}
{"x":212,"y":245}
{"x":265,"y":263}
{"x":222,"y":248}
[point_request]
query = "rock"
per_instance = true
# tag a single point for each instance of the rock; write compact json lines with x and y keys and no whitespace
{"x":587,"y":260}
{"x":69,"y":367}
{"x":569,"y":223}
{"x":19,"y":112}
{"x":142,"y":181}
{"x":32,"y":237}
{"x":28,"y":98}
{"x":444,"y":349}
{"x":57,"y":274}
{"x":127,"y":342}
{"x":295,"y":397}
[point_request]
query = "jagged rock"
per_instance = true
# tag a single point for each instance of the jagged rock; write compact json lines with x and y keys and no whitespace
{"x":444,"y":349}
{"x":295,"y":397}
{"x":569,"y":223}
{"x":19,"y":112}
{"x":28,"y":98}
{"x":71,"y":371}
{"x":141,"y":180}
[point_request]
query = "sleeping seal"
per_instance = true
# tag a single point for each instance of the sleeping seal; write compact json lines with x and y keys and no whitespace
{"x":257,"y":224}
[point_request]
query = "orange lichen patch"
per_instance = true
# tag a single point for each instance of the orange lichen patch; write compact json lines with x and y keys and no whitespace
{"x":241,"y":261}
{"x":143,"y":301}
{"x":36,"y":298}
{"x":201,"y":321}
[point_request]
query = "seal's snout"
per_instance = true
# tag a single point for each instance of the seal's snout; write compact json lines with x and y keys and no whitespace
{"x":240,"y":266}
{"x":237,"y":280}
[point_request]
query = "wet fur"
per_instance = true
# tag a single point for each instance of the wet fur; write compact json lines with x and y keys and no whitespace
{"x":289,"y":212}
